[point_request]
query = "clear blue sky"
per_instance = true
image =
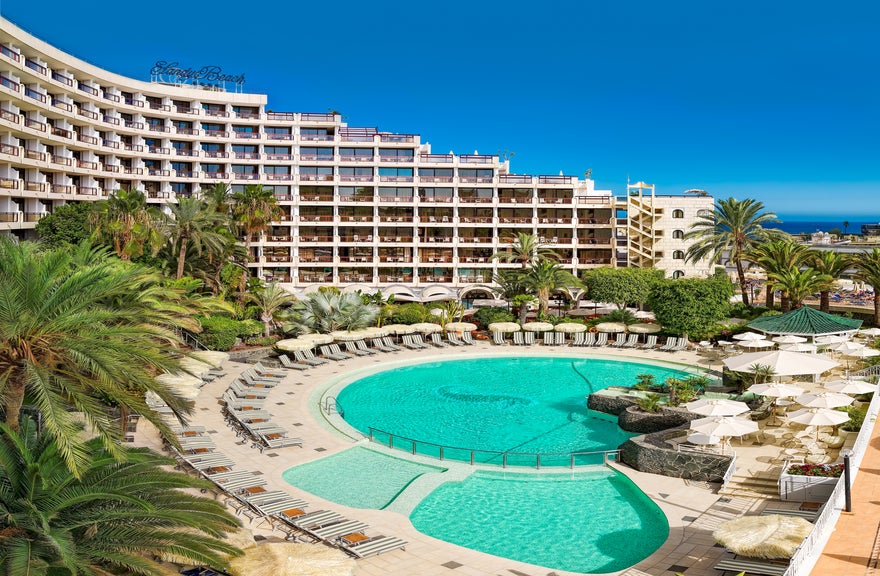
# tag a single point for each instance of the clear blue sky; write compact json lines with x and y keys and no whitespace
{"x":772,"y":100}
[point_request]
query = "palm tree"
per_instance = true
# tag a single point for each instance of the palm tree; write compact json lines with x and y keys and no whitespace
{"x":115,"y":518}
{"x":733,"y":228}
{"x":868,"y":266}
{"x":834,"y":264}
{"x":82,"y":337}
{"x":254,"y":209}
{"x":525,"y":249}
{"x":193,"y":225}
{"x":129,"y":224}
{"x":219,"y":197}
{"x":845,"y":226}
{"x":326,"y":311}
{"x":776,"y":257}
{"x":797,"y":284}
{"x":384,"y":304}
{"x":545,"y":276}
{"x":270,"y":301}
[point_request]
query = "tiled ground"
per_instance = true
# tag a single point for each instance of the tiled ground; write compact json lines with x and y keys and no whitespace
{"x":693,"y":509}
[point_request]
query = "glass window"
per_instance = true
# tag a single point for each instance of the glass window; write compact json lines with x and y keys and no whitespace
{"x":441,"y":172}
{"x":396,"y":152}
{"x":276,"y":130}
{"x":678,"y":234}
{"x":475,"y":172}
{"x":277,"y":149}
{"x":277,"y":170}
{"x":396,"y":172}
{"x":313,"y":170}
{"x":243,"y":129}
{"x":244,"y":149}
{"x":358,"y":152}
{"x":355,"y":171}
{"x":678,"y":255}
{"x":678,"y":213}
{"x":207,"y":147}
{"x":677,"y":274}
{"x":244,"y":169}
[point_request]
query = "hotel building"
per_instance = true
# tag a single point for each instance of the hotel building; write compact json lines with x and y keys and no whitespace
{"x":361,"y":208}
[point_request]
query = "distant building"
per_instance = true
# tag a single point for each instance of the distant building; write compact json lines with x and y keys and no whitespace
{"x":870,"y":229}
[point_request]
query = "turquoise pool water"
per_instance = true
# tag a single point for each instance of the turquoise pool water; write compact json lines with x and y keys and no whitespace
{"x":357,"y":477}
{"x":520,"y":406}
{"x":585,"y":522}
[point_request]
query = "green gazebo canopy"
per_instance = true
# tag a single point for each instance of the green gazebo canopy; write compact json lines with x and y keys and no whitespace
{"x":805,"y":321}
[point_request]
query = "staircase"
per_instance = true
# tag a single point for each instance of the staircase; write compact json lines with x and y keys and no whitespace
{"x":761,"y":484}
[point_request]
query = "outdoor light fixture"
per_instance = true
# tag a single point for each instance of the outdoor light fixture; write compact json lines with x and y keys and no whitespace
{"x":847,"y":482}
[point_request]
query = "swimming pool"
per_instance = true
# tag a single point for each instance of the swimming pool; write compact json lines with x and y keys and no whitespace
{"x":595,"y":522}
{"x":519,"y":406}
{"x":357,"y":477}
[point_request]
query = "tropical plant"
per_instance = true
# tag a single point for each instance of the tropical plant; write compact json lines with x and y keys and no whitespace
{"x":511,"y":283}
{"x":692,"y":306}
{"x":732,"y":229}
{"x":324,"y":312}
{"x":490,"y":314}
{"x":868,"y":266}
{"x":522,"y":303}
{"x":762,"y":373}
{"x":254,"y":209}
{"x":526,"y":250}
{"x":271,"y":301}
{"x":650,"y":402}
{"x":545,"y":276}
{"x":385,"y":304}
{"x":645,"y":381}
{"x":71,"y":334}
{"x":621,"y":286}
{"x":623,"y":316}
{"x":218,"y":197}
{"x":777,"y":257}
{"x":115,"y":517}
{"x":450,"y":311}
{"x":194,"y":224}
{"x":797,"y":284}
{"x":409,"y":313}
{"x":67,"y":225}
{"x":831,"y":263}
{"x":128,"y":223}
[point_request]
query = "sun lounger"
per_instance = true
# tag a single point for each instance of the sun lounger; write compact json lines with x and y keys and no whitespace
{"x":549,"y":339}
{"x":601,"y":339}
{"x":619,"y":341}
{"x":467,"y":338}
{"x":390,"y":344}
{"x":372,"y":546}
{"x":518,"y":339}
{"x":418,"y":341}
{"x":307,"y":357}
{"x":252,"y":372}
{"x":333,"y":531}
{"x":362,"y":346}
{"x":670,"y":344}
{"x":182,"y":431}
{"x":335,"y":349}
{"x":379,"y":345}
{"x":498,"y":338}
{"x":437,"y":341}
{"x":242,"y":391}
{"x":243,"y":416}
{"x":329,"y":353}
{"x":314,"y":519}
{"x":282,"y":442}
{"x":680,"y":344}
{"x":264,"y":372}
{"x":207,"y":460}
{"x":196,"y":443}
{"x":251,"y":379}
{"x":409,"y":343}
{"x":453,"y":339}
{"x":589,"y":339}
{"x":286,"y":363}
{"x":650,"y":342}
{"x":352,"y":349}
{"x":577,"y":339}
{"x":631,"y":341}
{"x":756,"y":567}
{"x":242,"y":403}
{"x":560,"y":338}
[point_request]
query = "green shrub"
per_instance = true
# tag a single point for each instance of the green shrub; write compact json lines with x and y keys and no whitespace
{"x":856,"y":417}
{"x":412,"y":313}
{"x":646,"y":382}
{"x":219,"y":332}
{"x":261,"y":341}
{"x":650,"y":403}
{"x":221,"y":341}
{"x":490,"y":314}
{"x":250,"y":328}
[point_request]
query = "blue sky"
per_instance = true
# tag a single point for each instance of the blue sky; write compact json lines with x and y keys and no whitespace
{"x":772,"y":100}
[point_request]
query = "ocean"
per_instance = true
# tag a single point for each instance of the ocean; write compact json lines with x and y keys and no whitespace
{"x":805,"y":226}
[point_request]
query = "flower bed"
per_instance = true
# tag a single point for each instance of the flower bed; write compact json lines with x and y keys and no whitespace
{"x":809,"y":482}
{"x":816,"y":470}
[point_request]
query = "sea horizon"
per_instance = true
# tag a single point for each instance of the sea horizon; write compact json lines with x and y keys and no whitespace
{"x":807,"y":224}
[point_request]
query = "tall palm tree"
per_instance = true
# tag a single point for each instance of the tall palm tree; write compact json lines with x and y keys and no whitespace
{"x":798,"y":283}
{"x":733,"y":228}
{"x":545,"y":276}
{"x":868,"y":266}
{"x":128,"y":223}
{"x":115,"y":518}
{"x":82,"y":337}
{"x":254,"y":209}
{"x":219,"y":197}
{"x":834,"y":264}
{"x":776,"y":257}
{"x":270,"y":301}
{"x":525,"y":249}
{"x":193,"y":224}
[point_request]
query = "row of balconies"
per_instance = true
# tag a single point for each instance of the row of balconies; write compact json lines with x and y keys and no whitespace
{"x":404,"y":238}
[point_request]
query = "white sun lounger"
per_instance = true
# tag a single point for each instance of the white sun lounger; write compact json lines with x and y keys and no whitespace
{"x":498,"y":338}
{"x":390,"y":344}
{"x":307,"y":357}
{"x":313,"y":519}
{"x":333,"y":531}
{"x":374,"y":546}
{"x":650,"y":342}
{"x":518,"y":339}
{"x":352,"y":349}
{"x":467,"y":338}
{"x":286,"y":363}
{"x":242,"y":391}
{"x":437,"y":341}
{"x":453,"y":339}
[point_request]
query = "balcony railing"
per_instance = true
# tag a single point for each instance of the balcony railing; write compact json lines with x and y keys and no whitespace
{"x":514,"y":179}
{"x":9,"y":184}
{"x":9,"y":116}
{"x":8,"y":149}
{"x":88,"y":165}
{"x":247,"y":155}
{"x":217,"y":133}
{"x":217,"y":113}
{"x":62,"y":133}
{"x":442,"y":179}
{"x":34,"y":155}
{"x":313,"y":117}
{"x":108,"y":96}
{"x":62,"y":160}
{"x":36,"y":66}
{"x":250,"y":135}
{"x":10,"y":53}
{"x":87,"y":89}
{"x":216,"y":175}
{"x":316,"y":217}
{"x":87,"y":114}
{"x":316,"y":198}
{"x":33,"y":216}
{"x":35,"y":124}
{"x":59,"y":77}
{"x":515,"y":199}
{"x":276,"y":177}
{"x":442,"y":199}
{"x":383,"y":158}
{"x":32,"y":186}
{"x":315,"y":238}
{"x":62,"y":189}
{"x":396,"y":138}
{"x":87,"y":139}
{"x":245,"y":175}
{"x":62,"y":105}
{"x":315,"y":259}
{"x":316,"y":137}
{"x":287,"y":116}
{"x":475,"y":199}
{"x":216,"y":154}
{"x":87,"y":191}
{"x":475,"y":239}
{"x":38,"y":96}
{"x":135,"y":125}
{"x":9,"y":216}
{"x":9,"y":83}
{"x":555,"y":179}
{"x":278,"y":136}
{"x":437,"y":158}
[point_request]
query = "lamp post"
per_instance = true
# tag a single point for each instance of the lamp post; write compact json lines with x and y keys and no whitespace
{"x":847,"y":480}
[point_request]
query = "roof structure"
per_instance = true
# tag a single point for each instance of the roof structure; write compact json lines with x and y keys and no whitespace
{"x":805,"y":321}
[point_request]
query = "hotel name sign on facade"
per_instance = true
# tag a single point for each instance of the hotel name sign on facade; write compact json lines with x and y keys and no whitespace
{"x":173,"y":73}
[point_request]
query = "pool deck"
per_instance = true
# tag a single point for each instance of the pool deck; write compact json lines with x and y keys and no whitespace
{"x":693,"y":509}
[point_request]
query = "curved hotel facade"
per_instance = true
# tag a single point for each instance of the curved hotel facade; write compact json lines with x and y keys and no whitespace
{"x":360,"y":207}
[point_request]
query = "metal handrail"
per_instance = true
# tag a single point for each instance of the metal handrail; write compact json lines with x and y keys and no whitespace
{"x":731,"y":470}
{"x":505,"y":457}
{"x":331,"y":404}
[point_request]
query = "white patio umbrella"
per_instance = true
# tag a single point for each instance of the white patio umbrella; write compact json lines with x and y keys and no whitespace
{"x":782,"y":362}
{"x":863,"y":353}
{"x":703,"y":439}
{"x":316,"y":339}
{"x":749,"y":336}
{"x":460,"y":327}
{"x":399,"y":329}
{"x":570,"y":327}
{"x":644,"y":328}
{"x":724,"y":426}
{"x":755,"y":343}
{"x":644,"y":315}
{"x":851,"y":386}
{"x":537,"y":327}
{"x":870,"y":332}
{"x":504,"y":327}
{"x":789,"y":339}
{"x":717,"y":407}
{"x":427,"y":327}
{"x":215,"y":359}
{"x":294,"y":345}
{"x":799,"y":347}
{"x":818,"y":417}
{"x":775,"y":390}
{"x":830,"y":339}
{"x":824,"y":400}
{"x":610,"y":327}
{"x":848,"y":346}
{"x":348,"y":335}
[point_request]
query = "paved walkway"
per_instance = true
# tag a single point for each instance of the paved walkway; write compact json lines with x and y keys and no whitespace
{"x":853,"y":547}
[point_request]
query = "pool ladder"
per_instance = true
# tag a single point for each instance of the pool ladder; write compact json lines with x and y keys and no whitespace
{"x":331,"y":406}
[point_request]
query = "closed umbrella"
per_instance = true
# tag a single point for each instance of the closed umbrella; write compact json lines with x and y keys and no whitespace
{"x":716,"y":407}
{"x":789,"y":339}
{"x":824,"y":400}
{"x":851,"y":386}
{"x":749,"y":336}
{"x":610,"y":327}
{"x":570,"y":327}
{"x":537,"y":326}
{"x":756,"y":343}
{"x":769,"y":537}
{"x":644,"y":328}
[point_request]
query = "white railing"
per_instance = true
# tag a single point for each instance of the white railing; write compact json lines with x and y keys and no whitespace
{"x":731,"y":470}
{"x":808,"y":552}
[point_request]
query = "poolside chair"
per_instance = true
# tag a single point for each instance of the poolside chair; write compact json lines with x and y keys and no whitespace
{"x":241,"y":391}
{"x":255,"y":376}
{"x":409,"y":343}
{"x":631,"y":341}
{"x":619,"y":341}
{"x":467,"y":338}
{"x":417,"y":340}
{"x":518,"y":338}
{"x":264,"y":372}
{"x":390,"y":344}
{"x":498,"y":338}
{"x":328,"y":353}
{"x":371,"y":546}
{"x":250,"y":380}
{"x":453,"y":339}
{"x":601,"y":339}
{"x":529,"y":338}
{"x":589,"y":339}
{"x":362,"y":345}
{"x":549,"y":339}
{"x":286,"y":363}
{"x":379,"y":345}
{"x":307,"y":357}
{"x":577,"y":339}
{"x":352,"y":349}
{"x":671,"y":341}
{"x":755,"y":567}
{"x":650,"y":342}
{"x":280,"y":442}
{"x":437,"y":341}
{"x":242,"y":403}
{"x":335,"y":349}
{"x":332,"y":531}
{"x":560,"y":338}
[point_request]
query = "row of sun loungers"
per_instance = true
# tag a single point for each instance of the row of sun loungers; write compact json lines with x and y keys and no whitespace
{"x":245,"y":403}
{"x":591,"y":339}
{"x":332,"y":528}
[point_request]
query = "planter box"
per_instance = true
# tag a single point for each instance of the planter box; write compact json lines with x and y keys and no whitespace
{"x":794,"y":488}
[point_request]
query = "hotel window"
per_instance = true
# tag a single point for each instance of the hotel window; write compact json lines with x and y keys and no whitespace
{"x":397,"y":173}
{"x":437,"y":193}
{"x":181,"y":188}
{"x":276,"y":130}
{"x":677,"y":274}
{"x":282,"y":150}
{"x":244,"y":169}
{"x":678,"y":234}
{"x":476,"y":174}
{"x":181,"y":166}
{"x":316,"y":172}
{"x":678,"y":213}
{"x":356,"y":172}
{"x":315,"y":134}
{"x":359,"y":191}
{"x":212,"y":168}
{"x":387,"y":192}
{"x":152,"y":144}
{"x":436,"y":174}
{"x":278,"y":170}
{"x":238,"y":129}
{"x":208,"y":147}
{"x":245,"y":151}
{"x":396,"y":154}
{"x":319,"y":154}
{"x":354,"y":154}
{"x":678,"y":255}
